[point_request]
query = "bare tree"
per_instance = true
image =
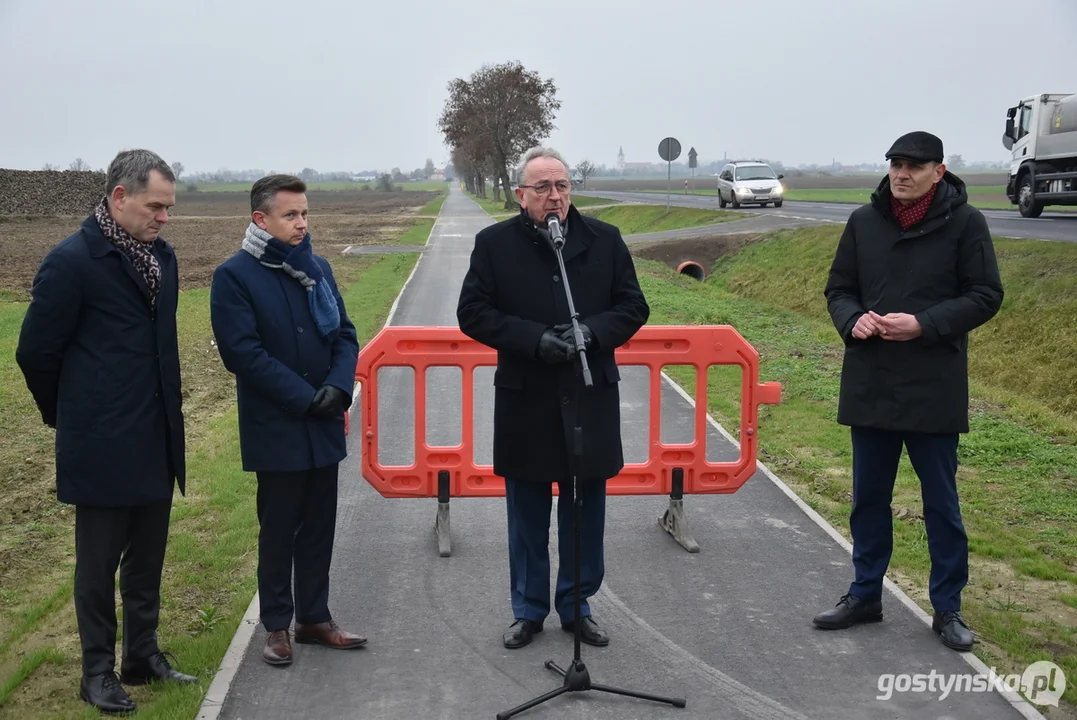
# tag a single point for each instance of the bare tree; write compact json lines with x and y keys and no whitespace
{"x":79,"y":165}
{"x":177,"y":169}
{"x":50,"y":166}
{"x":499,"y":113}
{"x":428,"y":169}
{"x":586,"y":169}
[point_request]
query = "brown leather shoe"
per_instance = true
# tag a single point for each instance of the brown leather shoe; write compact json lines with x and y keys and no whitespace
{"x":328,"y":634}
{"x":278,"y":648}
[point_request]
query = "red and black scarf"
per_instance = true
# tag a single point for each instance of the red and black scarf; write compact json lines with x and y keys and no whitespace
{"x":137,"y":252}
{"x":909,"y":215}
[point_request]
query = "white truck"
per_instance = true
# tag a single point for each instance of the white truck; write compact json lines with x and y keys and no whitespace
{"x":1041,"y":131}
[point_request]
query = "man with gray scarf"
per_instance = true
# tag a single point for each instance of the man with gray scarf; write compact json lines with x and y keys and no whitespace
{"x":282,"y":330}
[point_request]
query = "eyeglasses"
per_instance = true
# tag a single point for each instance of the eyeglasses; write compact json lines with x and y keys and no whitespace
{"x":563,"y":186}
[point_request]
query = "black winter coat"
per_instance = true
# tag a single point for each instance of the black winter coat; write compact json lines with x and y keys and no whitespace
{"x":512,"y":292}
{"x":942,"y":270}
{"x":103,"y":368}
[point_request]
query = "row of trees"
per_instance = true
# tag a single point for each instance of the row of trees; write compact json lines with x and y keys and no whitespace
{"x":491,"y":119}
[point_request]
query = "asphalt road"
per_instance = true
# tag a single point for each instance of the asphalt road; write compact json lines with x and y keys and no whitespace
{"x":1003,"y":223}
{"x":728,"y":628}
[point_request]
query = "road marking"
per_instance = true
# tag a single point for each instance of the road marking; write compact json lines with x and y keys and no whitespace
{"x":1022,"y":706}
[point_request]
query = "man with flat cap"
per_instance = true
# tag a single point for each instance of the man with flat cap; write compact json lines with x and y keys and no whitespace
{"x":914,"y":273}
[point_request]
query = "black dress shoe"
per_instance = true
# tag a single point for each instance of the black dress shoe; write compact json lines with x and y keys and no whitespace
{"x":952,"y":630}
{"x":849,"y":611}
{"x":106,"y":694}
{"x":589,"y":632}
{"x":520,"y":633}
{"x":155,"y":667}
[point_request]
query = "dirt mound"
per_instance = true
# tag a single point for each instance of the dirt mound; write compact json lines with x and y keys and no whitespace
{"x":704,"y":251}
{"x":50,"y":192}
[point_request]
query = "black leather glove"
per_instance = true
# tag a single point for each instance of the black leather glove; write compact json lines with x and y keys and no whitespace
{"x":552,"y":349}
{"x":329,"y":402}
{"x":590,"y":342}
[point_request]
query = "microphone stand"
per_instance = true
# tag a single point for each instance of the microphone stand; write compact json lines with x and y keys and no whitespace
{"x":576,"y":677}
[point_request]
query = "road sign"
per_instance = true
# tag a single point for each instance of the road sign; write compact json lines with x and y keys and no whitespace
{"x":669,"y":149}
{"x":692,"y":155}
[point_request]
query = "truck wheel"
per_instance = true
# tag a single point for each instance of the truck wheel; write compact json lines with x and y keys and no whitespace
{"x":778,"y":204}
{"x":721,"y":200}
{"x":1025,"y":204}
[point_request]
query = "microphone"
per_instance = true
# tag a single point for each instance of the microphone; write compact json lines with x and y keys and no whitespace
{"x":553,"y":224}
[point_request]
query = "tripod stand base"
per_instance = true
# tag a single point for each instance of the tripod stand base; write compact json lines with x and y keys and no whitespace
{"x":577,"y":679}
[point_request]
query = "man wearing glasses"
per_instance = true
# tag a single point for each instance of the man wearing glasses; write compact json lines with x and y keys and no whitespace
{"x":512,"y":300}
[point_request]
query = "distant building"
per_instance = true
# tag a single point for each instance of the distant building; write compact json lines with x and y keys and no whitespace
{"x":438,"y":176}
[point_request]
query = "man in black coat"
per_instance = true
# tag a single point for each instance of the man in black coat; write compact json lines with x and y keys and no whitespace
{"x":99,"y":352}
{"x":513,"y":300}
{"x":914,"y":273}
{"x":282,"y":330}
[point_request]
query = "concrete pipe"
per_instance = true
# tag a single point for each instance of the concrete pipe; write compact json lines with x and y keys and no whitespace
{"x":692,"y":269}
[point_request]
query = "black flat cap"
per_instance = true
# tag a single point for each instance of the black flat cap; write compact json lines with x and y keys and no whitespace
{"x":919,"y":146}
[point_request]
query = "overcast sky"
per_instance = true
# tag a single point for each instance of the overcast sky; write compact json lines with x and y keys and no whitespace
{"x":335,"y":85}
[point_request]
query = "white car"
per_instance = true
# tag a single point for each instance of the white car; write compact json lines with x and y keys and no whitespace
{"x":749,"y":183}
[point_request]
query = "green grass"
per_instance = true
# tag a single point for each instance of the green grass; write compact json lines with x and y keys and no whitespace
{"x":634,"y":219}
{"x":1018,"y":465}
{"x":418,"y":233}
{"x":491,"y":206}
{"x":210,"y":566}
{"x":434,"y":206}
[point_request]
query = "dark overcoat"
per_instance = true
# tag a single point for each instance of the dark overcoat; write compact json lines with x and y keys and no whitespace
{"x":943,"y":270}
{"x":102,"y":364}
{"x":512,"y":293}
{"x":267,"y":338}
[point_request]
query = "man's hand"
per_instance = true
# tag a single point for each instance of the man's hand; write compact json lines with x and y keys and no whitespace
{"x":329,"y":402}
{"x":589,"y":340}
{"x":865,"y":327}
{"x":552,"y":349}
{"x":897,"y":326}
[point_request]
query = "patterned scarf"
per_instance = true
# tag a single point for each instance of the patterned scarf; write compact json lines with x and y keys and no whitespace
{"x":909,"y":215}
{"x":298,"y":262}
{"x":137,"y":252}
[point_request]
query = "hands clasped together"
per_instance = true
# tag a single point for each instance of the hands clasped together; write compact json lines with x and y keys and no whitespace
{"x":892,"y":326}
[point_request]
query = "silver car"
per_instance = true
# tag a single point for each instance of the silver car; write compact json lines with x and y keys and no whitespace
{"x":749,"y":183}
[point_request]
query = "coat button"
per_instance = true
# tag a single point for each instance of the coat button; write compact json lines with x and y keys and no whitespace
{"x":557,"y":278}
{"x":565,"y":401}
{"x":299,"y":329}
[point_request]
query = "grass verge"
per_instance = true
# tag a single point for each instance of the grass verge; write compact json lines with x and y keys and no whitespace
{"x":209,"y":570}
{"x":418,"y":233}
{"x":635,"y":219}
{"x":1017,"y":466}
{"x":434,"y":206}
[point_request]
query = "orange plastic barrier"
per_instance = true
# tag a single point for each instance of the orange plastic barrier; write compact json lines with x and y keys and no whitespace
{"x":668,"y":464}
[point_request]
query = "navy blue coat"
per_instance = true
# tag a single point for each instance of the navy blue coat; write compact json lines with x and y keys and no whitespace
{"x":103,"y":368}
{"x":268,"y":339}
{"x":512,"y":293}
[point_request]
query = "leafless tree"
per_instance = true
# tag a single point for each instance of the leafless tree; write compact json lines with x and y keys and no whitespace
{"x":586,"y":169}
{"x":500,"y":112}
